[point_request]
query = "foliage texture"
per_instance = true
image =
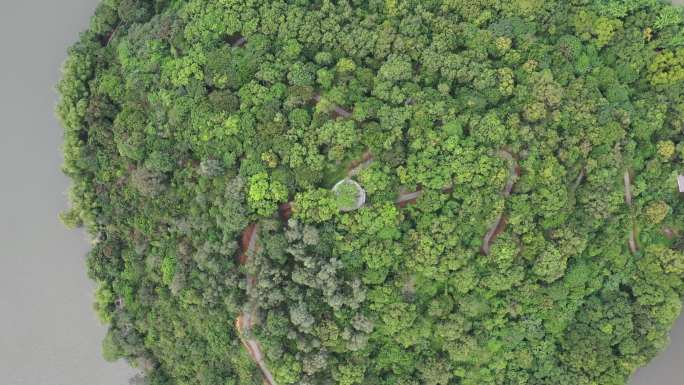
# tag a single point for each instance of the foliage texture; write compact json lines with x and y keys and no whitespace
{"x":520,"y":160}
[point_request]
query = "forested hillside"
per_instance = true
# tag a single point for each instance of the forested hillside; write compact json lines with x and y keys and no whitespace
{"x":379,"y":192}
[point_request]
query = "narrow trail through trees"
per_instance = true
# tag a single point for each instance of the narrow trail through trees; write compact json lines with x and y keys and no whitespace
{"x":500,"y":223}
{"x":357,"y":166}
{"x":631,"y":242}
{"x":294,"y":206}
{"x":407,"y":198}
{"x":247,"y":319}
{"x":337,"y":109}
{"x":111,"y":35}
{"x":245,"y":322}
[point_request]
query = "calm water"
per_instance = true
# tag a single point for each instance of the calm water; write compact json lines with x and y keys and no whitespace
{"x":49,"y":334}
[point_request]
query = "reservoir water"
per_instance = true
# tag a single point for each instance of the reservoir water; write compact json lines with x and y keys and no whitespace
{"x":49,"y":334}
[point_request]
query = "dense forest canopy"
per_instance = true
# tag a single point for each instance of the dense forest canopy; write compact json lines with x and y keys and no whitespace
{"x":380,"y":191}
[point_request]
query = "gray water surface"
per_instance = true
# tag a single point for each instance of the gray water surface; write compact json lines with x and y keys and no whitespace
{"x":49,"y":334}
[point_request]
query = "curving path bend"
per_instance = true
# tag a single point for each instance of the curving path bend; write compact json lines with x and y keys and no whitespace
{"x":500,"y":222}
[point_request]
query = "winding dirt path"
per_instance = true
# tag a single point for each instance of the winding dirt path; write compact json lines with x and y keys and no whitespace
{"x":500,"y":223}
{"x":579,"y":179}
{"x":111,"y":35}
{"x":632,"y":241}
{"x":245,"y":322}
{"x":407,"y":198}
{"x":357,"y":166}
{"x":337,"y":109}
{"x":497,"y":228}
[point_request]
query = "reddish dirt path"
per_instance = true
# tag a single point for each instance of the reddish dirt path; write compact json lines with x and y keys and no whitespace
{"x":245,"y":322}
{"x":632,"y":241}
{"x":111,"y":35}
{"x":497,"y":228}
{"x":337,"y":109}
{"x":408,"y":198}
{"x":285,"y":211}
{"x":357,"y":166}
{"x":500,"y":223}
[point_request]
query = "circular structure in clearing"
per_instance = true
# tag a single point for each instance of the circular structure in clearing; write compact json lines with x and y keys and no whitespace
{"x":349,"y":195}
{"x":520,"y":159}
